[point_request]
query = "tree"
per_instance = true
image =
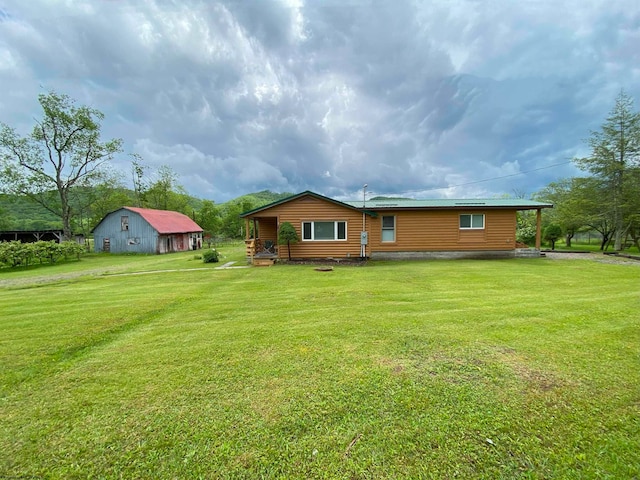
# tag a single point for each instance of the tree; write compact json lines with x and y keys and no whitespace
{"x":138,"y":169}
{"x":615,"y":153}
{"x":587,"y":194}
{"x":232,"y":225}
{"x":287,"y":235}
{"x":209,"y":218}
{"x":552,"y":233}
{"x":567,"y":209}
{"x":63,"y":152}
{"x":633,"y":219}
{"x":165,"y":193}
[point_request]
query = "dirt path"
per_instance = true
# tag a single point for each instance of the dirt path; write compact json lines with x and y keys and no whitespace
{"x":44,"y":279}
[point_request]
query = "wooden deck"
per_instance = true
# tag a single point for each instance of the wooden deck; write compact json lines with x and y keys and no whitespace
{"x":258,"y":255}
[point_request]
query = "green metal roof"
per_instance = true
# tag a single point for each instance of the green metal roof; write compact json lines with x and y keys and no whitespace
{"x":450,"y":203}
{"x":302,"y":194}
{"x":370,"y":206}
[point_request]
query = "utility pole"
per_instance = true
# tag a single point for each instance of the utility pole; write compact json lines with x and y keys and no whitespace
{"x":363,"y":235}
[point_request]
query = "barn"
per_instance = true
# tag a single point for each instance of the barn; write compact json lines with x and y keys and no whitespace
{"x":145,"y":230}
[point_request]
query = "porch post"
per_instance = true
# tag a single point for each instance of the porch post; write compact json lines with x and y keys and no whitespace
{"x":246,"y":228}
{"x":538,"y":228}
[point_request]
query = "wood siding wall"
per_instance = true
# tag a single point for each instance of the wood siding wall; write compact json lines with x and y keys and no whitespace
{"x":416,"y":231}
{"x":268,"y":230}
{"x":313,"y":209}
{"x":440,"y":231}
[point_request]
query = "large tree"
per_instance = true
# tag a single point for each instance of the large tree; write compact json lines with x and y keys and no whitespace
{"x":62,"y":153}
{"x":587,"y":194}
{"x":615,"y":156}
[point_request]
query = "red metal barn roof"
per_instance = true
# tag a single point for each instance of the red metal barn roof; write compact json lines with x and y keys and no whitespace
{"x":165,"y":221}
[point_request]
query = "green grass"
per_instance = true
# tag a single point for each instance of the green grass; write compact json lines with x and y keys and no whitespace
{"x":442,"y":369}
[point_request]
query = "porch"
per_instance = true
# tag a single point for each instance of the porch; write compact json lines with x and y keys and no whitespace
{"x":262,"y":240}
{"x":261,"y":253}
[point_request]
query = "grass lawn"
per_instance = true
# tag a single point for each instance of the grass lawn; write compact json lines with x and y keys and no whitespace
{"x":508,"y":369}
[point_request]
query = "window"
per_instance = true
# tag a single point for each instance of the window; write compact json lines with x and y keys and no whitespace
{"x":324,"y":230}
{"x":124,"y":222}
{"x":472,"y":221}
{"x":388,"y":229}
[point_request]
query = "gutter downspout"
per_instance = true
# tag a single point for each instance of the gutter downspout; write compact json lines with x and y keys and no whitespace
{"x":363,"y":247}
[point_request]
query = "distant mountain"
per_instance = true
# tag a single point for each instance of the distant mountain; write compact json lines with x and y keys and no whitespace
{"x":258,"y":199}
{"x":20,"y":213}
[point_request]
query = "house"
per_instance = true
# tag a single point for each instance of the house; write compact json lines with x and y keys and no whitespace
{"x":390,"y":229}
{"x":144,"y":230}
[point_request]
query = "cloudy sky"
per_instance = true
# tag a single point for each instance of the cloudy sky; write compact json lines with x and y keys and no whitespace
{"x":444,"y":98}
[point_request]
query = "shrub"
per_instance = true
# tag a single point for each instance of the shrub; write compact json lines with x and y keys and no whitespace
{"x":210,"y":256}
{"x":71,"y":249}
{"x":287,"y":235}
{"x":14,"y":253}
{"x":552,"y":233}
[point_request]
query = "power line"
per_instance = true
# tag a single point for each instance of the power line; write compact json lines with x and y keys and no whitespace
{"x":497,"y":178}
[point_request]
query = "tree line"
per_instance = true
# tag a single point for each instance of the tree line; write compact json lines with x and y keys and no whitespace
{"x":62,"y":166}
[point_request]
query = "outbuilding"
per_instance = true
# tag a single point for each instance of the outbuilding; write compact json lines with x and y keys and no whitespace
{"x":145,"y":230}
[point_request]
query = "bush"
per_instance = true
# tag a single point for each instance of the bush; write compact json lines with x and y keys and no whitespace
{"x":552,"y":233}
{"x":14,"y":254}
{"x":71,"y":249}
{"x":210,"y":256}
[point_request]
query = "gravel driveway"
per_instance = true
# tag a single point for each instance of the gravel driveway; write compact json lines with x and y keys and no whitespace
{"x":594,"y":257}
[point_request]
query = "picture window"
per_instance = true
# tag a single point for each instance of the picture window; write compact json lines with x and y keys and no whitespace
{"x":324,"y":231}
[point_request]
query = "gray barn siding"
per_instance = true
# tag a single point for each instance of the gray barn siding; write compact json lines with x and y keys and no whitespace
{"x":139,"y":238}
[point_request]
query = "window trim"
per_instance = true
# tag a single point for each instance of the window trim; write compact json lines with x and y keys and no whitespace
{"x":335,"y":231}
{"x":387,"y":229}
{"x":471,"y":215}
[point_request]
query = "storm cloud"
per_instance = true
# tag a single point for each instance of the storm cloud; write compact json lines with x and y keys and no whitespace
{"x":424,"y":99}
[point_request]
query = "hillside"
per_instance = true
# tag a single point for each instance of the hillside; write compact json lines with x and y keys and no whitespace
{"x":257,"y":199}
{"x":20,"y":213}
